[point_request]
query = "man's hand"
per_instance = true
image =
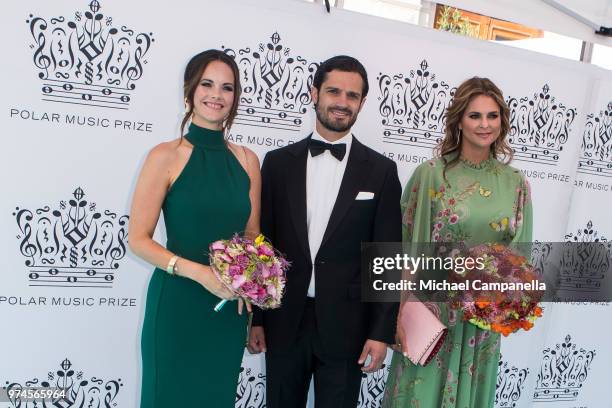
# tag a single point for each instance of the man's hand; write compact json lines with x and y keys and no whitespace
{"x":377,"y":350}
{"x":257,"y":340}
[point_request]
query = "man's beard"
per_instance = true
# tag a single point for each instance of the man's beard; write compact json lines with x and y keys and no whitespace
{"x":335,"y":126}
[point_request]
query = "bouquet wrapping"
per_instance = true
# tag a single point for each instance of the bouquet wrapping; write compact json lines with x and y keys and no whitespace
{"x":250,"y":269}
{"x":501,"y":312}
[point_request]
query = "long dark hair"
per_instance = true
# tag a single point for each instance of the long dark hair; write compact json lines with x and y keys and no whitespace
{"x":193,"y":73}
{"x":453,"y":137}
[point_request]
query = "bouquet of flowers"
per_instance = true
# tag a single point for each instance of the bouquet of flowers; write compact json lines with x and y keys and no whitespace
{"x":251,"y":269}
{"x":488,"y":307}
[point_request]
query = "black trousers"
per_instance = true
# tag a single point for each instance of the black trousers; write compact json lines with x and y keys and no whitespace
{"x":336,"y":379}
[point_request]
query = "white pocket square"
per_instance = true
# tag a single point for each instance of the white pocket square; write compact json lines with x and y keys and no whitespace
{"x":364,"y":195}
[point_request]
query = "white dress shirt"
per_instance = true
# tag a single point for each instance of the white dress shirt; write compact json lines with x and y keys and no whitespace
{"x":323,"y":179}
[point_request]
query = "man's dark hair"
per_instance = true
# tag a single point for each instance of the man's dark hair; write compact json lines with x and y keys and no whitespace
{"x":342,"y":63}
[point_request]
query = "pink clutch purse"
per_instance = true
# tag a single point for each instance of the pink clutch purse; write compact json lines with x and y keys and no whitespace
{"x":423,"y":333}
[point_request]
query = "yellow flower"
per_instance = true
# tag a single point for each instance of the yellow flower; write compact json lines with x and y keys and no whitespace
{"x":259,"y":240}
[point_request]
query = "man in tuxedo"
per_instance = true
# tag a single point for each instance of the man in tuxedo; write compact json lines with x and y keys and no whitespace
{"x":321,"y":198}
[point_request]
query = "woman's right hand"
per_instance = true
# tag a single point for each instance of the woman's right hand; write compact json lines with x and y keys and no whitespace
{"x":219,"y":290}
{"x":400,"y":338}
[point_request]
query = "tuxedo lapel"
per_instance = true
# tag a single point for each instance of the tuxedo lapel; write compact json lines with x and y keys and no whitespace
{"x":356,"y":171}
{"x":296,"y":192}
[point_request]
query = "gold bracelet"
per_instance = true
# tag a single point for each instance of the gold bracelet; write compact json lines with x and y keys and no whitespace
{"x":171,"y":265}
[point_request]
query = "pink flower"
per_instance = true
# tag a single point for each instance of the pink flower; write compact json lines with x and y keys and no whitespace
{"x":442,"y":189}
{"x":264,"y":270}
{"x":264,"y":250}
{"x":242,"y":260}
{"x":451,"y":201}
{"x":235,"y":270}
{"x":217,"y":246}
{"x":255,"y":292}
{"x":438,"y":226}
{"x":275,"y":269}
{"x":238,"y":281}
{"x":225,"y":258}
{"x":251,"y":249}
{"x":453,"y":219}
{"x":271,"y":290}
{"x":447,"y":212}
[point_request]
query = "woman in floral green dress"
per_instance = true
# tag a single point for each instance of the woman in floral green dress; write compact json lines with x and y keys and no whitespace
{"x":467,"y":194}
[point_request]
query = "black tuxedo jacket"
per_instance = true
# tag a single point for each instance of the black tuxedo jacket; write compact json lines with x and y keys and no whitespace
{"x":343,"y":321}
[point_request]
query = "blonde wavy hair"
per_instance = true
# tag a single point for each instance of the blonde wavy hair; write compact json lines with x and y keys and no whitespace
{"x":453,"y":136}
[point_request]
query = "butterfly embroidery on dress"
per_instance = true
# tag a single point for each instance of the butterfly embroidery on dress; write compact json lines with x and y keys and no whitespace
{"x":502,"y":225}
{"x":485,"y":192}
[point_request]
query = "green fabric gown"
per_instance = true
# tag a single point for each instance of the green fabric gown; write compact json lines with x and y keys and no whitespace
{"x":489,"y":202}
{"x":191,"y":355}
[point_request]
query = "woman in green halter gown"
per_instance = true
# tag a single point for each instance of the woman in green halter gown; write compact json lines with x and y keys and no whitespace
{"x":465,"y":195}
{"x":208,"y":189}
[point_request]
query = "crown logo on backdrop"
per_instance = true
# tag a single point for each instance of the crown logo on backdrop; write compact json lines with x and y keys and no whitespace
{"x":251,"y":391}
{"x":563,"y":371}
{"x":78,"y":390}
{"x":510,"y":385}
{"x":585,"y":261}
{"x":540,"y":254}
{"x":412,"y":107}
{"x":596,"y":147}
{"x":73,"y":245}
{"x":85,"y":60}
{"x":276,"y":85}
{"x":539,"y":127}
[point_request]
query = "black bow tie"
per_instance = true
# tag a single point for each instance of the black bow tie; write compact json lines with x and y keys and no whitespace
{"x":317,"y":147}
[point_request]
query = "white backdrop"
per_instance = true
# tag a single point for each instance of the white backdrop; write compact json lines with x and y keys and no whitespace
{"x":72,"y":296}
